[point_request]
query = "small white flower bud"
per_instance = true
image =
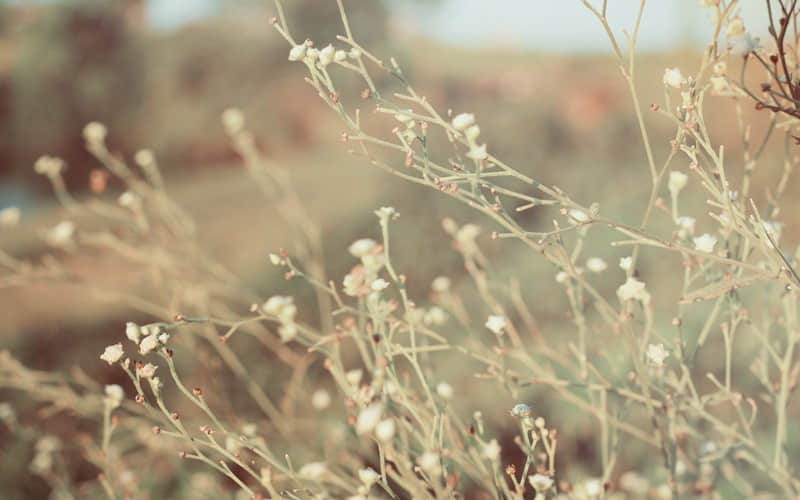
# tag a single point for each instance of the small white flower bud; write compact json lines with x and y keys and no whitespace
{"x":144,"y":158}
{"x":9,"y":216}
{"x":326,"y":55}
{"x":132,"y":331}
{"x":339,"y":56}
{"x":298,"y":52}
{"x":385,"y":429}
{"x":148,"y":344}
{"x":496,"y":323}
{"x":673,"y":78}
{"x":368,"y":476}
{"x":472,"y":133}
{"x":112,"y":353}
{"x":233,"y":121}
{"x":148,"y":370}
{"x":445,"y":390}
{"x":362,"y":247}
{"x":440,"y":284}
{"x":95,"y":133}
{"x":462,"y":121}
{"x":368,"y":418}
{"x":115,"y":394}
{"x":321,"y":399}
{"x":354,"y":53}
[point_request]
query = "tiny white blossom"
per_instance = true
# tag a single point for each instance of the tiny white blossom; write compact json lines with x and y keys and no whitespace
{"x":326,"y":55}
{"x":521,"y":410}
{"x":148,"y":344}
{"x":48,"y":165}
{"x":233,"y":121}
{"x":463,"y":121}
{"x":593,"y":488}
{"x":368,"y":418}
{"x":130,"y":200}
{"x":94,"y":133}
{"x":362,"y":247}
{"x":478,"y":152}
{"x":115,"y":394}
{"x":673,"y":78}
{"x":277,"y":304}
{"x":313,"y":471}
{"x":354,"y":53}
{"x":562,"y":277}
{"x":440,"y":284}
{"x":596,"y":265}
{"x":435,"y":316}
{"x":540,"y":482}
{"x":385,"y":429}
{"x":735,"y":27}
{"x":112,"y":353}
{"x":144,"y":158}
{"x":148,"y":370}
{"x":445,"y":390}
{"x":368,"y":476}
{"x":677,"y":181}
{"x":633,"y":289}
{"x":340,"y":56}
{"x":298,"y":52}
{"x":430,"y":463}
{"x":386,"y":213}
{"x":354,"y":376}
{"x":321,"y":399}
{"x":491,"y":450}
{"x":472,"y":133}
{"x":705,"y":243}
{"x":719,"y":84}
{"x":496,"y":323}
{"x":9,"y":216}
{"x":625,"y":263}
{"x":656,"y":354}
{"x":578,"y":215}
{"x":61,"y":234}
{"x":379,"y":284}
{"x":163,"y":338}
{"x":132,"y":331}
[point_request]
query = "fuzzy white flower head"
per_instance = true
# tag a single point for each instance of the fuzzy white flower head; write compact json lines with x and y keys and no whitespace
{"x":468,"y":233}
{"x":9,"y":216}
{"x":61,"y":234}
{"x":354,"y":376}
{"x":320,"y":399}
{"x":112,"y":353}
{"x":705,"y":243}
{"x":429,"y":462}
{"x":368,"y":418}
{"x":593,"y":488}
{"x":132,"y":331}
{"x":625,"y":263}
{"x":326,"y":55}
{"x":313,"y":471}
{"x":362,"y":247}
{"x":144,"y":158}
{"x":445,"y":390}
{"x":686,"y":222}
{"x":48,"y":165}
{"x":148,"y":370}
{"x":463,"y":121}
{"x":540,"y":482}
{"x":354,"y":53}
{"x":578,"y":215}
{"x":562,"y":277}
{"x":719,"y":84}
{"x":491,"y":450}
{"x":339,"y":56}
{"x":596,"y":265}
{"x":115,"y":394}
{"x":435,"y":316}
{"x":148,"y":344}
{"x":287,"y":332}
{"x":496,"y":323}
{"x":276,"y":304}
{"x":440,"y":284}
{"x":386,"y":213}
{"x":233,"y":120}
{"x":298,"y":52}
{"x":673,"y":78}
{"x":735,"y":27}
{"x":521,"y":410}
{"x":385,"y":429}
{"x":368,"y":476}
{"x":633,"y":289}
{"x":656,"y":354}
{"x":379,"y":284}
{"x":130,"y":200}
{"x":95,"y":133}
{"x":677,"y":181}
{"x":478,"y":152}
{"x":472,"y":133}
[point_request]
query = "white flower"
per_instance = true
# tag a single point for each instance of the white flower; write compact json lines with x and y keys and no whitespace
{"x":379,"y":284}
{"x":578,"y":215}
{"x":496,"y":323}
{"x":368,"y":418}
{"x":429,"y":462}
{"x":312,"y":54}
{"x":340,"y":56}
{"x":521,"y":410}
{"x":719,"y":84}
{"x":287,"y":331}
{"x":144,"y":158}
{"x":435,"y":316}
{"x":633,"y":289}
{"x":491,"y":450}
{"x":275,"y":259}
{"x":368,"y":476}
{"x":656,"y":354}
{"x":233,"y":121}
{"x":540,"y":482}
{"x":321,"y":399}
{"x":129,"y":200}
{"x":385,"y":429}
{"x":386,"y":213}
{"x":596,"y":265}
{"x":148,"y":344}
{"x":115,"y":394}
{"x":276,"y":304}
{"x":562,"y":277}
{"x":9,"y":216}
{"x":313,"y":471}
{"x":468,"y":233}
{"x":297,"y":53}
{"x":354,"y":53}
{"x":677,"y":181}
{"x":61,"y":234}
{"x":94,"y":133}
{"x":148,"y":370}
{"x":48,"y":165}
{"x":132,"y":331}
{"x":362,"y":247}
{"x":593,"y":487}
{"x":705,"y":243}
{"x":735,"y":27}
{"x":354,"y":376}
{"x":472,"y":133}
{"x":478,"y":152}
{"x":404,"y":117}
{"x":326,"y":55}
{"x":444,"y":390}
{"x":625,"y":263}
{"x":112,"y":353}
{"x":686,"y":222}
{"x":163,"y":338}
{"x":673,"y":78}
{"x":463,"y":121}
{"x":440,"y":284}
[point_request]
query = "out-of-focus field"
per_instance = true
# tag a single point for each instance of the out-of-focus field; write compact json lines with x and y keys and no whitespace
{"x":565,"y":120}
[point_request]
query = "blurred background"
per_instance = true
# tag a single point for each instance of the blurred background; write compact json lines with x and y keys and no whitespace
{"x":540,"y":79}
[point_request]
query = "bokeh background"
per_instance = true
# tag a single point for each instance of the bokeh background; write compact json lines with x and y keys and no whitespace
{"x":547,"y":93}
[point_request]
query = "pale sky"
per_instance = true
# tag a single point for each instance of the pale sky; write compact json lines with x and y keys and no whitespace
{"x":550,"y":25}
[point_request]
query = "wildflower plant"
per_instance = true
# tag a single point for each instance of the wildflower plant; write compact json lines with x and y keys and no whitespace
{"x":635,"y":367}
